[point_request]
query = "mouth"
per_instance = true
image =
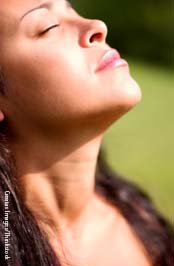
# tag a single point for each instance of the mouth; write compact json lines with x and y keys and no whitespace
{"x":111,"y":59}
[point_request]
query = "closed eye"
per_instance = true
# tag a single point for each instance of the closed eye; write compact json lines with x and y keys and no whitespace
{"x":48,"y":29}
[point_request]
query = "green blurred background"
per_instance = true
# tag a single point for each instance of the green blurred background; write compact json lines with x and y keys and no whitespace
{"x":141,"y":144}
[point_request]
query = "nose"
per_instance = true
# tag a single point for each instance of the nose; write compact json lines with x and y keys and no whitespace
{"x":93,"y":32}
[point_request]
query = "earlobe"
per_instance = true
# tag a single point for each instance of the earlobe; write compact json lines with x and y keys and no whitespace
{"x":1,"y":116}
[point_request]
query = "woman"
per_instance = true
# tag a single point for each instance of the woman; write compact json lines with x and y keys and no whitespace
{"x":62,"y":86}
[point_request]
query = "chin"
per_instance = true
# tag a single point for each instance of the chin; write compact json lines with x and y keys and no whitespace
{"x":122,"y":90}
{"x":120,"y":102}
{"x":124,"y":99}
{"x":131,"y":94}
{"x":127,"y":92}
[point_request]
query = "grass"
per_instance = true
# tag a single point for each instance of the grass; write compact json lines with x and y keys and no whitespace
{"x":141,"y":144}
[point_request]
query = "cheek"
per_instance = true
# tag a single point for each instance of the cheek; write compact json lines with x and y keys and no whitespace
{"x":50,"y":83}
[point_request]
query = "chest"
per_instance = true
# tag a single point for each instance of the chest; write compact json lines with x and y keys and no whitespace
{"x":116,"y":247}
{"x":116,"y":253}
{"x":111,"y":251}
{"x":105,"y":242}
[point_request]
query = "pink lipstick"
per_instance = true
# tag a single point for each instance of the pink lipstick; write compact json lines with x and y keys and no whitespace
{"x":111,"y":59}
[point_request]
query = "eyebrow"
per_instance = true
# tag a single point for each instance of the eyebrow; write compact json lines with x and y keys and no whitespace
{"x":44,"y":5}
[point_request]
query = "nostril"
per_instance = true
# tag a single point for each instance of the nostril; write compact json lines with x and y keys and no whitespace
{"x":92,"y":32}
{"x":97,"y":37}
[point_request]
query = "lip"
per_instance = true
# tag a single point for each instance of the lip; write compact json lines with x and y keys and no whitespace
{"x":111,"y":58}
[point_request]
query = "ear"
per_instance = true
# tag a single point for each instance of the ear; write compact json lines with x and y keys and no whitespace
{"x":1,"y":116}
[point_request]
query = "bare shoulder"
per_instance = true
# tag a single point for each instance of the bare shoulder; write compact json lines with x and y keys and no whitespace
{"x":119,"y":245}
{"x":128,"y":247}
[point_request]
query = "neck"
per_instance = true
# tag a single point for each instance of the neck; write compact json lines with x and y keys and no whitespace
{"x":58,"y":183}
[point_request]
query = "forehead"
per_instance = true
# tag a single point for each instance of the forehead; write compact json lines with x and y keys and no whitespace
{"x":13,"y":9}
{"x":15,"y":5}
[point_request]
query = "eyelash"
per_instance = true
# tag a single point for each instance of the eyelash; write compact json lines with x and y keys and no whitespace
{"x":48,"y":29}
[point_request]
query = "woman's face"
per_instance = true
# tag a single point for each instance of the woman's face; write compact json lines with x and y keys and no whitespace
{"x":49,"y":55}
